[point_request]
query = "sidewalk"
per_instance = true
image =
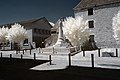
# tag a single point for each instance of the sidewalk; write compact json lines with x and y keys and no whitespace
{"x":62,"y":61}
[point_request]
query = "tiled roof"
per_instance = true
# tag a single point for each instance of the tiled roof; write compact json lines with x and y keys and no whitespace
{"x":85,"y":4}
{"x":25,"y":22}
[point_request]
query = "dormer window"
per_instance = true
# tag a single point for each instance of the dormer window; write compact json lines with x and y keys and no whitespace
{"x":90,"y":11}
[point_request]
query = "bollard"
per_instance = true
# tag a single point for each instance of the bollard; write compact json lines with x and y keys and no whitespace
{"x":16,"y":51}
{"x":83,"y":53}
{"x":39,"y":50}
{"x":116,"y":52}
{"x":21,"y":56}
{"x":92,"y":60}
{"x":53,"y":50}
{"x":30,"y":51}
{"x":98,"y":52}
{"x":34,"y":56}
{"x":10,"y":57}
{"x":23,"y":51}
{"x":50,"y":59}
{"x":69,"y":56}
{"x":1,"y":55}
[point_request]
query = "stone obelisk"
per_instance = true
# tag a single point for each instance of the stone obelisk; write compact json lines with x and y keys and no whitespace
{"x":60,"y":40}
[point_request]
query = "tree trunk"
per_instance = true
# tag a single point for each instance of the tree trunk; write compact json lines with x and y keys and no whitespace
{"x":19,"y":47}
{"x":3,"y":46}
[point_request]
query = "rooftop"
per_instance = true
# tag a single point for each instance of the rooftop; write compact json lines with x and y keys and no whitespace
{"x":86,"y":4}
{"x":25,"y":22}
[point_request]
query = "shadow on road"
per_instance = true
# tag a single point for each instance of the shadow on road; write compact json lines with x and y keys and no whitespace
{"x":20,"y":70}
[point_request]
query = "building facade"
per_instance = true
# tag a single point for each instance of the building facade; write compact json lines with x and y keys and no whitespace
{"x":37,"y":31}
{"x":99,"y":15}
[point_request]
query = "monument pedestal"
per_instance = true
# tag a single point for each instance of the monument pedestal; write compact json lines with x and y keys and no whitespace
{"x":61,"y":40}
{"x":62,"y":46}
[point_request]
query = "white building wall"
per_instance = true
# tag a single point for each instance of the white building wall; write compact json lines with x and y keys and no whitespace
{"x":30,"y":35}
{"x":30,"y":40}
{"x":102,"y":30}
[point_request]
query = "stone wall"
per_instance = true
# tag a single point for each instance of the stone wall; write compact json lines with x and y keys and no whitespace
{"x":102,"y":30}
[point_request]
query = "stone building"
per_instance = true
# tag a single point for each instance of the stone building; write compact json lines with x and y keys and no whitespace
{"x":37,"y":30}
{"x":50,"y":41}
{"x":99,"y":14}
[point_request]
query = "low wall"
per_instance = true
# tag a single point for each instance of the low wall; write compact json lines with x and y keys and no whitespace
{"x":58,"y":50}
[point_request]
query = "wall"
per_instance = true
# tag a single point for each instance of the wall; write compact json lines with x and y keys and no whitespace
{"x":30,"y":40}
{"x":41,"y":31}
{"x":102,"y":31}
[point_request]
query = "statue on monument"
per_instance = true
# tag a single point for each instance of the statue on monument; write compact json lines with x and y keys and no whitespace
{"x":61,"y":41}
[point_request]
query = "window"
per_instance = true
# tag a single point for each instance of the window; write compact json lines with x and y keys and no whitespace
{"x":90,"y":11}
{"x":46,"y":31}
{"x":43,"y":31}
{"x":8,"y":44}
{"x":25,"y":41}
{"x":91,"y":24}
{"x":53,"y":32}
{"x":40,"y":31}
{"x":49,"y":32}
{"x":35,"y":30}
{"x":91,"y":38}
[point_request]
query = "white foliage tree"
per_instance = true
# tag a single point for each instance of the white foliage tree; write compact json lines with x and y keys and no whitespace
{"x":17,"y":33}
{"x":3,"y":34}
{"x":75,"y":30}
{"x":116,"y":26}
